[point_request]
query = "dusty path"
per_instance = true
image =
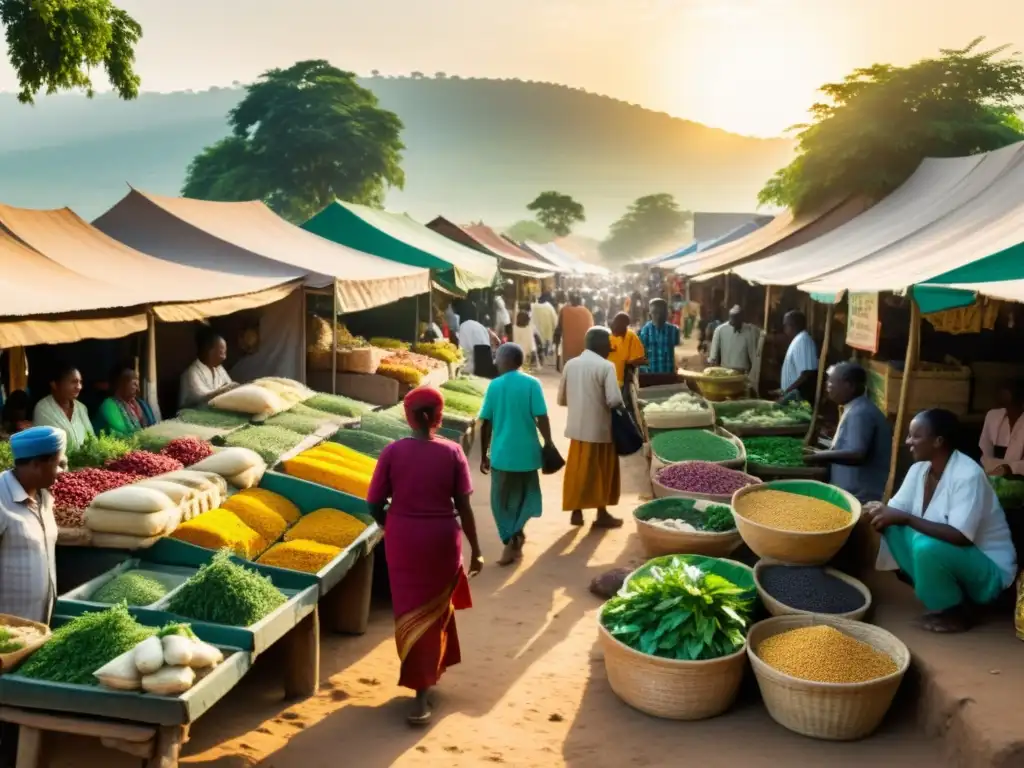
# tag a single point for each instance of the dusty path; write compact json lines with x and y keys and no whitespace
{"x":531,"y":692}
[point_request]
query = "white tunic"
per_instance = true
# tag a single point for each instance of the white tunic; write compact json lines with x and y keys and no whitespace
{"x":963,"y":499}
{"x":198,"y":381}
{"x":590,"y":389}
{"x":997,"y":432}
{"x":28,"y":540}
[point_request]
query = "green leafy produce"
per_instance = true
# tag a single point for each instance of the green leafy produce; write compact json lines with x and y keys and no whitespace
{"x":296,"y":422}
{"x":467,"y":385}
{"x":224,"y":592}
{"x":184,"y":630}
{"x":385,"y":426}
{"x":718,"y":518}
{"x":764,"y":414}
{"x":138,"y":587}
{"x":339,"y":405}
{"x":360,"y":440}
{"x":461,"y":402}
{"x":96,"y":451}
{"x":85,"y":644}
{"x":154,"y":439}
{"x":1009,"y":491}
{"x":8,"y":642}
{"x":6,"y":457}
{"x":268,"y":441}
{"x":775,"y":451}
{"x":679,"y":611}
{"x":213,"y":417}
{"x":714,"y":518}
{"x":692,"y":444}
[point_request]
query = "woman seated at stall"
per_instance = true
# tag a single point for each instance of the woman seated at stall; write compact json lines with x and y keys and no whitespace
{"x":944,"y":528}
{"x":124,"y":413}
{"x":1002,"y":436}
{"x":62,"y":409}
{"x":206,"y":377}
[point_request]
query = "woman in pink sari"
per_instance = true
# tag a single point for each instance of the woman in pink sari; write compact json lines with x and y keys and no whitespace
{"x":427,"y":480}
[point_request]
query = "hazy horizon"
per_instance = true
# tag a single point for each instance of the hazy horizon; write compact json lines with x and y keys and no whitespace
{"x":751,"y":67}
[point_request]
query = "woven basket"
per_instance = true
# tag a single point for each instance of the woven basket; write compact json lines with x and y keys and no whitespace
{"x":776,"y":608}
{"x":659,"y":541}
{"x":675,"y":690}
{"x":10,"y":661}
{"x":775,"y":472}
{"x":738,"y":463}
{"x":663,"y":491}
{"x":791,"y":547}
{"x":833,"y":711}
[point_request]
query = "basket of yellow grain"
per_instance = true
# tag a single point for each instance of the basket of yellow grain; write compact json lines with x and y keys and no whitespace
{"x":800,"y":522}
{"x":826,"y":677}
{"x":718,"y":384}
{"x":19,"y":639}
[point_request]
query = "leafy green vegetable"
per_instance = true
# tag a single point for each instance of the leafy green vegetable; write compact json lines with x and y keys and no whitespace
{"x":763,"y":413}
{"x":96,"y":451}
{"x":85,"y":644}
{"x":6,"y":457}
{"x":775,"y":451}
{"x":385,"y":426}
{"x":692,"y":444}
{"x":213,"y":417}
{"x":8,"y":642}
{"x":714,"y":518}
{"x":339,"y":405}
{"x":268,"y":441}
{"x":302,"y":423}
{"x":137,"y":587}
{"x":1009,"y":491}
{"x":718,"y":518}
{"x":679,"y":611}
{"x":185,"y":630}
{"x":360,"y":440}
{"x":468,"y":385}
{"x":460,"y":402}
{"x":224,"y":592}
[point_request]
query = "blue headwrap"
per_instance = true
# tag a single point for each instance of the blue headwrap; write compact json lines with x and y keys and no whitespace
{"x":38,"y":441}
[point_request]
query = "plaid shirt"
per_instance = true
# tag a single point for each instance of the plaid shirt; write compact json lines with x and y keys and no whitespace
{"x":28,"y":540}
{"x":660,"y":345}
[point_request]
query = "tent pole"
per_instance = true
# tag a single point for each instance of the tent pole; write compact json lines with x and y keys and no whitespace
{"x":822,"y":364}
{"x":767,"y":305}
{"x":305,"y":330}
{"x":725,"y":294}
{"x":913,"y":349}
{"x":151,"y":388}
{"x":334,"y":344}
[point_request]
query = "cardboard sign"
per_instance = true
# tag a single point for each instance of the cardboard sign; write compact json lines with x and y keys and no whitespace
{"x":862,"y":326}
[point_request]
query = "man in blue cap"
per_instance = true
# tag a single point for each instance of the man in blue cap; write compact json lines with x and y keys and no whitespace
{"x":28,"y":538}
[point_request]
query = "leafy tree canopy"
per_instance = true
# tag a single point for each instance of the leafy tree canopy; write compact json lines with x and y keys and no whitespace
{"x":53,"y":45}
{"x":556,"y":212}
{"x":651,"y":222}
{"x":301,"y":138}
{"x":527,"y":229}
{"x":882,"y":121}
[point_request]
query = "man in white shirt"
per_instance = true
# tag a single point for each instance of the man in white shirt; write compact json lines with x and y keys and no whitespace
{"x":206,"y":377}
{"x":734,"y":344}
{"x":944,"y":528}
{"x":590,"y":389}
{"x":800,"y":365}
{"x":472,"y":334}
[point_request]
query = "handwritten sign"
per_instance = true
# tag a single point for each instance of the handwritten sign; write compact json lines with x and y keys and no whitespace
{"x":862,"y":325}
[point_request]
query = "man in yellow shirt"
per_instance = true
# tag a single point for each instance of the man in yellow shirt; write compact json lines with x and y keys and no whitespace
{"x":627,"y":349}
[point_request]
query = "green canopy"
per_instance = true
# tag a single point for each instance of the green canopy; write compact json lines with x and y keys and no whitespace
{"x":397,"y":237}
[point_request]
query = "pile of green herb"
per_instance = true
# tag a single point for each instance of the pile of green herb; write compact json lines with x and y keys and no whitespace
{"x":213,"y":417}
{"x":713,"y":518}
{"x":460,"y":402}
{"x":85,"y":644}
{"x":1009,"y":491}
{"x":6,"y":457}
{"x":339,"y":405}
{"x":385,"y":426}
{"x":138,"y":587}
{"x":296,"y":421}
{"x":8,"y":642}
{"x":360,"y":440}
{"x":223,"y":592}
{"x":96,"y":451}
{"x":718,"y":518}
{"x":763,"y":413}
{"x":692,"y":444}
{"x":468,"y":385}
{"x":775,"y":451}
{"x":679,"y":611}
{"x":268,"y":441}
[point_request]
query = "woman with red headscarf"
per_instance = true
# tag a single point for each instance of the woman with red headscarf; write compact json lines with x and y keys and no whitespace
{"x":427,"y":480}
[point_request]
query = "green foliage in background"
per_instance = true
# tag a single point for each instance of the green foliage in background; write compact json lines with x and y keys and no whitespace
{"x":556,"y":212}
{"x":651,"y":222}
{"x":880,"y":122}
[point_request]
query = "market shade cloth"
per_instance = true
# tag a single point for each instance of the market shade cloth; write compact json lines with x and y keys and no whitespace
{"x":934,"y":193}
{"x":784,"y":231}
{"x":401,"y":240}
{"x":699,"y":246}
{"x":977,"y":242}
{"x":560,"y":257}
{"x":248,"y":238}
{"x":484,"y":239}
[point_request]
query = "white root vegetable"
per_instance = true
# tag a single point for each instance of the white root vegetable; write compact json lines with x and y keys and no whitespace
{"x":169,"y":681}
{"x":205,"y":655}
{"x":149,"y":655}
{"x":120,"y":674}
{"x":178,"y":650}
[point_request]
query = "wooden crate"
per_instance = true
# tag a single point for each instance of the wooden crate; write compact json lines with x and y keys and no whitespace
{"x":934,"y":386}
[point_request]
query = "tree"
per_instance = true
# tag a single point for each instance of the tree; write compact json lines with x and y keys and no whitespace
{"x":301,"y":138}
{"x":880,"y":122}
{"x":53,"y":45}
{"x":557,"y":212}
{"x":650,"y":222}
{"x":529,"y":230}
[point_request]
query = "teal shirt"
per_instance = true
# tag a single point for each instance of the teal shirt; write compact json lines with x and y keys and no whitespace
{"x":512,"y":403}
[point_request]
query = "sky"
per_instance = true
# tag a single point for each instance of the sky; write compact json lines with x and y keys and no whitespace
{"x":749,"y":66}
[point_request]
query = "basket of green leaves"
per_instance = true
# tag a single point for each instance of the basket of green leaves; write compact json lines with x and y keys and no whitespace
{"x":676,"y":525}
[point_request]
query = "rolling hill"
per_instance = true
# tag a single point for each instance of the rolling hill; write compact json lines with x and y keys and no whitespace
{"x":476,"y":150}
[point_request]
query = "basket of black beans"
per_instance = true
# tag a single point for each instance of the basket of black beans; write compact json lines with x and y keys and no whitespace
{"x":796,"y":589}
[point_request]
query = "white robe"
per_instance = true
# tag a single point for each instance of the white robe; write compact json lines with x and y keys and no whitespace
{"x":996,"y":431}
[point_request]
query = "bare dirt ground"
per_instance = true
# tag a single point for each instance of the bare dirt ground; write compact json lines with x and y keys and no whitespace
{"x":531,"y":690}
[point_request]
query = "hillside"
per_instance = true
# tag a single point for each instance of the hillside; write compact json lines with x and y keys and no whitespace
{"x":476,"y":150}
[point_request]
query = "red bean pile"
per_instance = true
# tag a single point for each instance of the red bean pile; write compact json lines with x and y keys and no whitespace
{"x":74,"y":491}
{"x":703,"y":477}
{"x":144,"y":463}
{"x":187,"y":450}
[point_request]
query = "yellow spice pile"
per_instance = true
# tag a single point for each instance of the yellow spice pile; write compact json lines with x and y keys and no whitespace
{"x":824,"y":655}
{"x":792,"y":512}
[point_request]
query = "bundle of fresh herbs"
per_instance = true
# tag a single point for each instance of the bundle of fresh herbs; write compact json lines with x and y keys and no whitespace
{"x":97,"y":451}
{"x":223,"y":592}
{"x":679,"y":611}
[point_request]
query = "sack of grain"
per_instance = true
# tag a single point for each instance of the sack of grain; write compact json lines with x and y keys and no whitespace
{"x":250,"y":398}
{"x":230,"y":462}
{"x":105,"y":520}
{"x":134,"y":498}
{"x":250,"y":478}
{"x":122,"y":541}
{"x":185,"y":497}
